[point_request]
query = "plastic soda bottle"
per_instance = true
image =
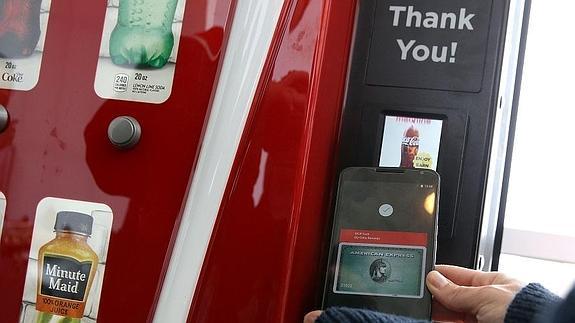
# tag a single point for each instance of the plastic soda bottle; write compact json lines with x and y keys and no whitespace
{"x":66,"y":269}
{"x":19,"y":27}
{"x":143,"y":35}
{"x":409,"y":147}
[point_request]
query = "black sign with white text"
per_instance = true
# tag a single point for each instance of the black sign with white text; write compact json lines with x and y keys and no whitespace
{"x":65,"y":277}
{"x":438,"y":44}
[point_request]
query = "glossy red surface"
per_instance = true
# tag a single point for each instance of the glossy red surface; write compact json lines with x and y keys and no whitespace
{"x":56,"y":145}
{"x":266,"y":260}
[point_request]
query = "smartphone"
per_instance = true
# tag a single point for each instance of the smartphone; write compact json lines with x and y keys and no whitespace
{"x":383,"y":240}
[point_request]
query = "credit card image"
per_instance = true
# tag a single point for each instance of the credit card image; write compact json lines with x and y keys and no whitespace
{"x":380,"y":270}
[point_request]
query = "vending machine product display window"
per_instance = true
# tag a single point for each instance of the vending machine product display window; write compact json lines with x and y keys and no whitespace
{"x":138,"y":50}
{"x":410,"y":142}
{"x":66,"y":262}
{"x":22,"y":42}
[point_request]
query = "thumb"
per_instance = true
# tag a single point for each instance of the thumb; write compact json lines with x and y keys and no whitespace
{"x":457,"y":298}
{"x":311,"y":316}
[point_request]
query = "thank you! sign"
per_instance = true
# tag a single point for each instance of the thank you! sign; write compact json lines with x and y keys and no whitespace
{"x":438,"y":44}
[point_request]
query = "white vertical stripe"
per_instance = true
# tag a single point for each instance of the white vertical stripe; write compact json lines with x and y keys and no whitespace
{"x":500,"y":138}
{"x":251,"y":34}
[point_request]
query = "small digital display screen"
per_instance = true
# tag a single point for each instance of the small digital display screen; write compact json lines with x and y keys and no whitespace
{"x":410,"y":142}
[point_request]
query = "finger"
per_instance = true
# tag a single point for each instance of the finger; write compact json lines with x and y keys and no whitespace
{"x":467,"y":277}
{"x":457,"y":298}
{"x":311,"y":316}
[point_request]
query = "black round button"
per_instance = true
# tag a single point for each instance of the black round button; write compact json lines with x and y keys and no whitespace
{"x":124,"y":132}
{"x":3,"y":118}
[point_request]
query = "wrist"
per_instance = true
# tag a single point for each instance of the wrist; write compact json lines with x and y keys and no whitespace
{"x":530,"y":301}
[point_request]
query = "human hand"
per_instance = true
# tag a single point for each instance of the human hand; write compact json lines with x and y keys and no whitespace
{"x":466,"y":295}
{"x":311,"y":316}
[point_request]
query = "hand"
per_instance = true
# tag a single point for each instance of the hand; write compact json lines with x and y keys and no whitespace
{"x":465,"y":295}
{"x":469,"y":295}
{"x":311,"y":316}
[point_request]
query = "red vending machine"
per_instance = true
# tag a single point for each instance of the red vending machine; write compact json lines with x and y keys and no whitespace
{"x":176,"y":160}
{"x":155,"y":157}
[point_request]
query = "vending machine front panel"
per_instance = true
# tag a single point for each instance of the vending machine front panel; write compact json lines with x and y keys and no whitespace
{"x":109,"y":172}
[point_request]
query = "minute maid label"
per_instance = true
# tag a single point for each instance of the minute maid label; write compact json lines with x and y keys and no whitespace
{"x":64,"y":283}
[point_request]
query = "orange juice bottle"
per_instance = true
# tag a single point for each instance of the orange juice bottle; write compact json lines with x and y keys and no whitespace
{"x":66,"y":268}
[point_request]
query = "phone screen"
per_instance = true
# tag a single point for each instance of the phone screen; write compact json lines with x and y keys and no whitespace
{"x":382,"y":262}
{"x":383,"y":241}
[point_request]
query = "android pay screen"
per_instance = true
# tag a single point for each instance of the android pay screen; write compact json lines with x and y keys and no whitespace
{"x":393,"y":268}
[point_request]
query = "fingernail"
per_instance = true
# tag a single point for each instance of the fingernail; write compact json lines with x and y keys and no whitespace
{"x":437,"y":280}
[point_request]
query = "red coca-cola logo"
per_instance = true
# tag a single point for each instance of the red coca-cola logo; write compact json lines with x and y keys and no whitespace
{"x":410,"y":141}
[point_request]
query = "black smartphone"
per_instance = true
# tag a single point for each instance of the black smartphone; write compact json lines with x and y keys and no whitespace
{"x":383,"y":240}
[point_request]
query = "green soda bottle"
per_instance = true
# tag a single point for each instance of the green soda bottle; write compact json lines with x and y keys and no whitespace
{"x":143,"y":35}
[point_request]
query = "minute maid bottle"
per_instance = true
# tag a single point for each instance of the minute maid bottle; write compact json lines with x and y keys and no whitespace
{"x":66,"y":268}
{"x":143,"y":35}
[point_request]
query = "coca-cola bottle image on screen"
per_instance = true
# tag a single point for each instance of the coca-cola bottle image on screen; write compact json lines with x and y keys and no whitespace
{"x":143,"y":36}
{"x":409,"y":147}
{"x":19,"y":27}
